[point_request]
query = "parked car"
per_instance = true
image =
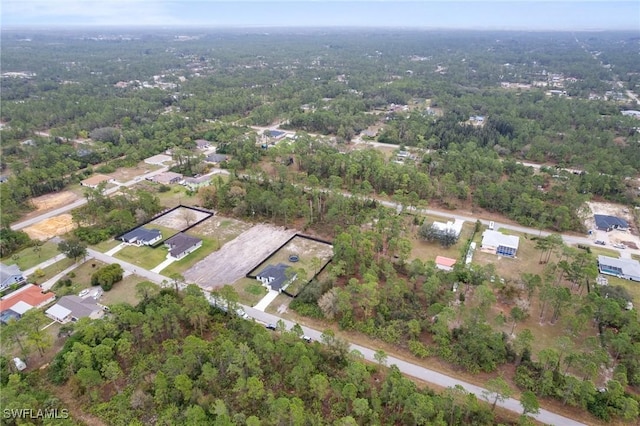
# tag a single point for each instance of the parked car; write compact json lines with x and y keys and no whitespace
{"x":307,"y":339}
{"x":600,"y":243}
{"x":271,"y":326}
{"x":20,"y":364}
{"x":83,"y":293}
{"x":242,"y":314}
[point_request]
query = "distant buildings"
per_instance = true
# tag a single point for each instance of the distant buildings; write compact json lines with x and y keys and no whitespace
{"x":96,"y":180}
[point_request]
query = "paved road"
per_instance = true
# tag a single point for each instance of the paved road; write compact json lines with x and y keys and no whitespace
{"x":420,"y":372}
{"x":410,"y":369}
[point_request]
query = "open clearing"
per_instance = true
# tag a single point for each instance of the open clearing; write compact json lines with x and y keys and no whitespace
{"x":222,"y":229}
{"x":53,"y":201}
{"x":125,"y":174}
{"x":179,"y":219}
{"x":236,"y":258}
{"x":629,"y":238}
{"x":49,"y":228}
{"x":306,"y":250}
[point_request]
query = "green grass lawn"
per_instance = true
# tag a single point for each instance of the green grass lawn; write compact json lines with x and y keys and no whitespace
{"x":28,"y":258}
{"x":597,"y":251}
{"x":631,"y":286}
{"x":123,"y":292}
{"x":105,"y":246}
{"x":145,"y":257}
{"x":249,"y":291}
{"x":179,"y":266}
{"x":50,"y":271}
{"x":177,"y":196}
{"x":80,"y":278}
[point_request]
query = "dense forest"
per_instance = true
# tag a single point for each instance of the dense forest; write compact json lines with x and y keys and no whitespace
{"x":176,"y":360}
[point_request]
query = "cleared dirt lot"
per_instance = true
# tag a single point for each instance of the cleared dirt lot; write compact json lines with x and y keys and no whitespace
{"x":629,"y":238}
{"x":306,"y":250}
{"x":53,"y":201}
{"x":236,"y":258}
{"x":179,"y":219}
{"x":50,"y":228}
{"x":222,"y":229}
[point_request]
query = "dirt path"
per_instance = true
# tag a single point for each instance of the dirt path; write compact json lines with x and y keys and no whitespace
{"x":236,"y":258}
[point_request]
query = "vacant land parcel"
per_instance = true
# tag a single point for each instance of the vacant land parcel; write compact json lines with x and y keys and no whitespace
{"x":236,"y":258}
{"x":180,"y":218}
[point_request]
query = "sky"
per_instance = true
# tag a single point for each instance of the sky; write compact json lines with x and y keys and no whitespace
{"x":455,"y":14}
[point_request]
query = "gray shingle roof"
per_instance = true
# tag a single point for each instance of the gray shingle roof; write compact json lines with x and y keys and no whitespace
{"x":180,"y":243}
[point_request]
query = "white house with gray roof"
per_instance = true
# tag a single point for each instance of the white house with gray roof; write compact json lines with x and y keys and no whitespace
{"x":495,"y":242}
{"x":10,"y":275}
{"x":181,"y":245}
{"x":72,"y":308}
{"x":628,"y":269}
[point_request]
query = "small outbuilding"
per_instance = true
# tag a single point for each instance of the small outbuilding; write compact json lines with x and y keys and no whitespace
{"x":445,"y":263}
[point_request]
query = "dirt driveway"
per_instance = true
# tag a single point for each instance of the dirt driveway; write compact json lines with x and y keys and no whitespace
{"x":239,"y":256}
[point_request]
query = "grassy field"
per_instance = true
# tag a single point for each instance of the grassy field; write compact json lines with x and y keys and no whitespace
{"x":306,"y":250}
{"x":145,"y":257}
{"x":631,"y":286}
{"x":80,"y":278}
{"x":28,"y":258}
{"x":249,"y":291}
{"x":123,"y":292}
{"x":51,"y":271}
{"x":179,"y":266}
{"x":597,"y":251}
{"x":106,"y":245}
{"x":176,"y":197}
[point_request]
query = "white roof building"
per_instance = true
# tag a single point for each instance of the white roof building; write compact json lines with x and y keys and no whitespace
{"x":624,"y":268}
{"x":498,"y":243}
{"x":455,"y":226}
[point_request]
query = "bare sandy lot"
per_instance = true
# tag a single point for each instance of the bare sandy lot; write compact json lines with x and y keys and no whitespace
{"x":179,"y":219}
{"x":53,"y":201}
{"x":125,"y":174}
{"x":222,"y":229}
{"x":50,"y":228}
{"x":236,"y":258}
{"x":629,"y":238}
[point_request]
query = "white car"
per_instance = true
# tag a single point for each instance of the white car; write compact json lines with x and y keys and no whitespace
{"x":242,"y":314}
{"x":83,"y":293}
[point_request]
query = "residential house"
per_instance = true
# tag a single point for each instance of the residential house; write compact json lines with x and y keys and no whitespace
{"x":96,"y":180}
{"x":445,"y":263}
{"x":159,"y":159}
{"x":274,"y":134}
{"x":9,"y":275}
{"x":142,"y":237}
{"x":495,"y":242}
{"x":275,"y":277}
{"x":181,"y":245}
{"x":454,"y":227}
{"x":30,"y":296}
{"x":167,"y":178}
{"x":72,"y":308}
{"x":203,"y":144}
{"x":215,"y":158}
{"x":194,"y":183}
{"x":609,"y":223}
{"x":628,"y":269}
